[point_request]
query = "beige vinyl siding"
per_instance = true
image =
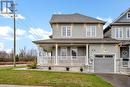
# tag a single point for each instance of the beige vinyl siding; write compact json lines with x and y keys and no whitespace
{"x":124,"y":28}
{"x":124,"y":18}
{"x":78,"y":30}
{"x":108,"y":33}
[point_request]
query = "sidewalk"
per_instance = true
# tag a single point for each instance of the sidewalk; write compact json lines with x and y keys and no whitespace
{"x":12,"y":65}
{"x":4,"y":85}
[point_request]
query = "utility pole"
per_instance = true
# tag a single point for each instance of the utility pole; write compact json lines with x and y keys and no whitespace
{"x":9,"y":7}
{"x":14,"y":19}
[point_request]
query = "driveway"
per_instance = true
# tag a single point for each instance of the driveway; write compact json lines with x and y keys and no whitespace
{"x":117,"y":80}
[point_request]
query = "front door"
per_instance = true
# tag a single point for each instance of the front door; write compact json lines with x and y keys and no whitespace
{"x":125,"y":55}
{"x":74,"y":52}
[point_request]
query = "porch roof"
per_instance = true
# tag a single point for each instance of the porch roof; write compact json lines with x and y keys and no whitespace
{"x":76,"y":41}
{"x":125,"y":42}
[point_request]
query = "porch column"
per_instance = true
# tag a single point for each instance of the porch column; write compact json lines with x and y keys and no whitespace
{"x":129,"y":57}
{"x":129,"y":52}
{"x":56,"y":54}
{"x":40,"y":59}
{"x":86,"y":58}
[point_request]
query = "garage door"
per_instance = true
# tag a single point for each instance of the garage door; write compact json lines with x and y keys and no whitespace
{"x":104,"y":64}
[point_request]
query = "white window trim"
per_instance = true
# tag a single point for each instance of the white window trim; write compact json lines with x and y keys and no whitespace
{"x":91,"y":31}
{"x":119,"y":28}
{"x":66,"y":31}
{"x":127,"y":28}
{"x":127,"y":15}
{"x":61,"y":51}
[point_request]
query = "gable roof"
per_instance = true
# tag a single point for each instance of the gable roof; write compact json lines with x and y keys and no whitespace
{"x":115,"y":22}
{"x":73,"y":18}
{"x":118,"y":18}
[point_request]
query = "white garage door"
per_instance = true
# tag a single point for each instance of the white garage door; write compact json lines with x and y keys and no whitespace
{"x":104,"y":64}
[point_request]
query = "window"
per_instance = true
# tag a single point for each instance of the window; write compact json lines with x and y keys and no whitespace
{"x":91,"y":31}
{"x":108,"y":56}
{"x":66,"y":31}
{"x":63,"y":51}
{"x":98,"y":56}
{"x":118,"y":32}
{"x":128,"y":15}
{"x":127,"y":32}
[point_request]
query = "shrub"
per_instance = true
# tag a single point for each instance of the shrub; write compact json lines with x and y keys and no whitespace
{"x":81,"y":69}
{"x":49,"y":68}
{"x":67,"y":68}
{"x":32,"y":65}
{"x":17,"y":58}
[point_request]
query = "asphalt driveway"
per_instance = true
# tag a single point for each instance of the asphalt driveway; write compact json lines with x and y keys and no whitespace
{"x":117,"y":80}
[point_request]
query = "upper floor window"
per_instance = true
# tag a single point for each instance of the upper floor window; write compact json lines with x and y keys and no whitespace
{"x":91,"y":31}
{"x":119,"y":32}
{"x":66,"y":31}
{"x":128,"y":15}
{"x":128,"y":32}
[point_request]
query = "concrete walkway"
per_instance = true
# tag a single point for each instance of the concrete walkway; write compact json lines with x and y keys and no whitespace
{"x":12,"y":65}
{"x":3,"y":85}
{"x":117,"y":80}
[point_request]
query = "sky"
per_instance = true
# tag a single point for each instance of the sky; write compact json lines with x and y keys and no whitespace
{"x":33,"y":18}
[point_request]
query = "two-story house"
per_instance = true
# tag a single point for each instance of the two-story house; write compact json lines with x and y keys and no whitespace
{"x":77,"y":42}
{"x":119,"y":29}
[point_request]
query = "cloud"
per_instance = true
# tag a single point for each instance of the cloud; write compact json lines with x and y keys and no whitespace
{"x":58,"y":12}
{"x":8,"y":50}
{"x":18,"y":16}
{"x":20,"y":32}
{"x":1,"y":46}
{"x":6,"y":32}
{"x":38,"y":33}
{"x":107,"y":20}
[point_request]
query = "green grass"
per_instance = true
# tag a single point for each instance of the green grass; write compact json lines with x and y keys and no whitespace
{"x":54,"y":79}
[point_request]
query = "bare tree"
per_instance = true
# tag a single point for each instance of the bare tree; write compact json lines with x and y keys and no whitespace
{"x":27,"y":55}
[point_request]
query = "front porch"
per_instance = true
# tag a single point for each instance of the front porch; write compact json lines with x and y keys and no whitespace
{"x":94,"y":57}
{"x":63,"y":55}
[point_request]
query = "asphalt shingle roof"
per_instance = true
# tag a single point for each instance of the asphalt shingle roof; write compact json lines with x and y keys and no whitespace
{"x":73,"y":18}
{"x":76,"y":41}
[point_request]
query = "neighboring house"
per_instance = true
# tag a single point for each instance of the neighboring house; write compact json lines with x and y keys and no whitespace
{"x":119,"y":29}
{"x":77,"y":41}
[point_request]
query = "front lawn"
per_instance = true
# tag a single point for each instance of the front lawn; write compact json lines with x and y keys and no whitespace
{"x":54,"y":79}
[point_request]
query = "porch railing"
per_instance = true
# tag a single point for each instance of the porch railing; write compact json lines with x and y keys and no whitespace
{"x":124,"y":63}
{"x":64,"y":60}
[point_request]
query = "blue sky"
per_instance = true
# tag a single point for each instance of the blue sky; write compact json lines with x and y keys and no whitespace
{"x":34,"y":15}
